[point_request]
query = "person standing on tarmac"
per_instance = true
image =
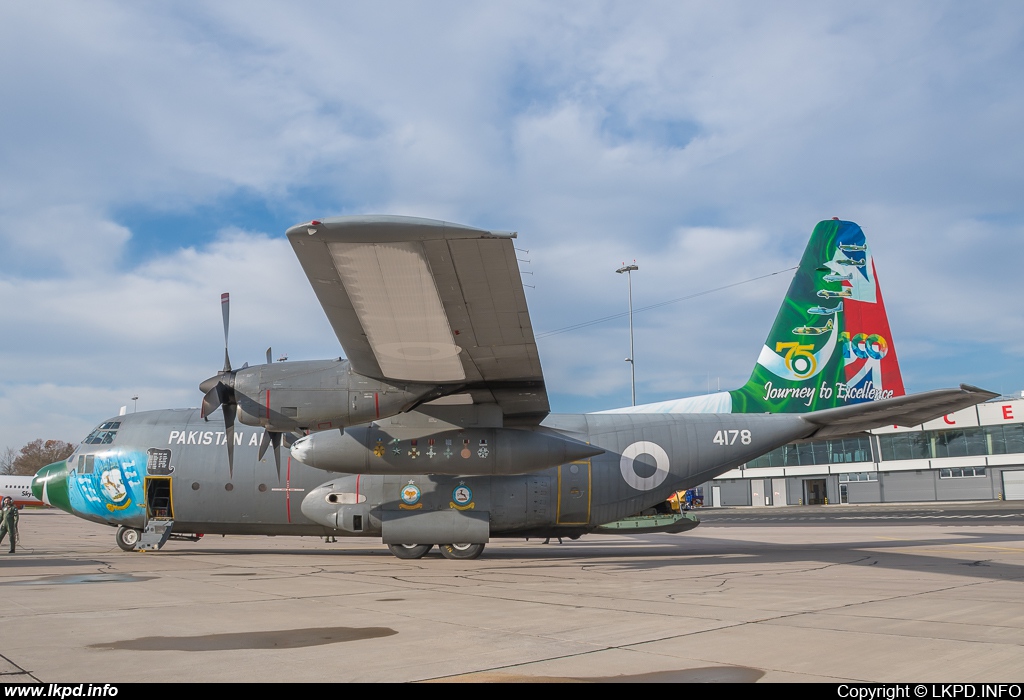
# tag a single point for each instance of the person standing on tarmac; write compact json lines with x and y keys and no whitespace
{"x":9,"y":522}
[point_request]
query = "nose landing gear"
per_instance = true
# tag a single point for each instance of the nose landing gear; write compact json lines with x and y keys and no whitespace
{"x":127,"y":538}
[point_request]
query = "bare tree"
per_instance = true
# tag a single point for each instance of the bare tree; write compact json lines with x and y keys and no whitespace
{"x":38,"y":453}
{"x":7,"y":457}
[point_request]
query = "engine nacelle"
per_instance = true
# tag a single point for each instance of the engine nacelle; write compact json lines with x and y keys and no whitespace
{"x":359,"y":508}
{"x":342,"y":505}
{"x":376,"y":449}
{"x":318,"y":395}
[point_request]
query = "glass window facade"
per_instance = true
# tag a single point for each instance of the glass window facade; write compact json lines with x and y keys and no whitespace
{"x":935,"y":444}
{"x":904,"y":446}
{"x":858,"y":476}
{"x":968,"y":442}
{"x":840,"y":451}
{"x":961,"y":472}
{"x":1006,"y":439}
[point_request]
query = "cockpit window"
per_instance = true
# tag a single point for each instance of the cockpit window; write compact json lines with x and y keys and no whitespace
{"x":103,"y":435}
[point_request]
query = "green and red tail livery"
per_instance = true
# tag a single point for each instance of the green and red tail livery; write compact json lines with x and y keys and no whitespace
{"x":831,"y":344}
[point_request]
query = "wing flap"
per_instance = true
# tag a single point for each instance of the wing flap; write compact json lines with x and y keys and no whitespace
{"x":907,"y":410}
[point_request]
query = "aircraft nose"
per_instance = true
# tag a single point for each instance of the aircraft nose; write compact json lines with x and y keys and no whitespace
{"x":50,"y":485}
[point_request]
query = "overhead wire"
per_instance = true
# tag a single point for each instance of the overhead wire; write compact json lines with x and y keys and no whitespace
{"x":594,"y":322}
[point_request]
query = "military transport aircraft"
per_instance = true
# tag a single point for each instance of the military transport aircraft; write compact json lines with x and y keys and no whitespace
{"x":436,"y":428}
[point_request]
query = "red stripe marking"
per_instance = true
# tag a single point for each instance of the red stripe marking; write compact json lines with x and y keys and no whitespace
{"x":358,"y":477}
{"x":268,"y":404}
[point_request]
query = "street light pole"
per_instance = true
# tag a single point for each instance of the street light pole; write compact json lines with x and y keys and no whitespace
{"x":629,"y":270}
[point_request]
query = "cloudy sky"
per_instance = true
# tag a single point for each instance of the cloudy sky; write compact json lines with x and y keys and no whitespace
{"x":153,"y":155}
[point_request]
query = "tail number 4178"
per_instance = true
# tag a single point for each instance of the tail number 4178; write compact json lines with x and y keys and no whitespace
{"x":729,"y":437}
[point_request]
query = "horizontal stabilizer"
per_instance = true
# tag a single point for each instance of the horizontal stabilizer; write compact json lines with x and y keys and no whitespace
{"x":909,"y":410}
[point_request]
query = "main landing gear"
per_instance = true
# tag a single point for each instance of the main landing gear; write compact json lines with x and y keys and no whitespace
{"x":409,"y":551}
{"x":448,"y":551}
{"x":461,"y":551}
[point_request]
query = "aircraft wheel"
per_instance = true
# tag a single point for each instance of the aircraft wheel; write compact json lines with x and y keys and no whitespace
{"x":409,"y":551}
{"x":127,"y":538}
{"x":461,"y":551}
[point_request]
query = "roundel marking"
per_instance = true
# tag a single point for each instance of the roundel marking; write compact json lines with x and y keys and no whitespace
{"x":644,"y":483}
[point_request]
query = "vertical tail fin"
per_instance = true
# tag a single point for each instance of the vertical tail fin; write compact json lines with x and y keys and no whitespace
{"x":830,"y":344}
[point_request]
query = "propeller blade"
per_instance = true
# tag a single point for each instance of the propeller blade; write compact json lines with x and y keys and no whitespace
{"x":264,"y":444}
{"x":229,"y":434}
{"x":271,"y":438}
{"x":225,"y":309}
{"x":276,"y":439}
{"x":269,"y":361}
{"x":211,"y":401}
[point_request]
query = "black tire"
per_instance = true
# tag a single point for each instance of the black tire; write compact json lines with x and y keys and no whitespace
{"x":127,"y":538}
{"x":409,"y":551}
{"x":461,"y":551}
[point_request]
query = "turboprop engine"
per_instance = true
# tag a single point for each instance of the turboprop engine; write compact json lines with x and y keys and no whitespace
{"x":468,"y":451}
{"x":317,"y":395}
{"x":314,"y":395}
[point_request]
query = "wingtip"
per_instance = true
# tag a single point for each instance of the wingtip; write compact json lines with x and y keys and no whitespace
{"x":977,"y":390}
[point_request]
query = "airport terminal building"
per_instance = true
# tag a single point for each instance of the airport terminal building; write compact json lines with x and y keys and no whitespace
{"x":974,"y":454}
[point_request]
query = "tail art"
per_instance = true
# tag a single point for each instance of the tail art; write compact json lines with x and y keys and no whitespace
{"x":831,"y":344}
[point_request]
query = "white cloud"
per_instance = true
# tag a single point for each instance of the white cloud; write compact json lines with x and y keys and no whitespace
{"x":93,"y":341}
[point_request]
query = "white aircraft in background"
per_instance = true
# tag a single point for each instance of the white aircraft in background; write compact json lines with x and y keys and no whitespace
{"x":19,"y":488}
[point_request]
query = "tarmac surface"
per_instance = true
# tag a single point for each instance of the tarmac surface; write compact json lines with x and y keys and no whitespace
{"x":849,"y":593}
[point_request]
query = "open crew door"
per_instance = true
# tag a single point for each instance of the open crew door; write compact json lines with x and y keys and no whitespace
{"x":159,"y":513}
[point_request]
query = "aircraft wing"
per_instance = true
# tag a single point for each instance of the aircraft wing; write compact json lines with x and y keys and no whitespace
{"x":430,"y":302}
{"x":907,"y":410}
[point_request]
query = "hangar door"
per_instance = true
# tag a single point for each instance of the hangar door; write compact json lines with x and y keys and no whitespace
{"x":1013,"y":485}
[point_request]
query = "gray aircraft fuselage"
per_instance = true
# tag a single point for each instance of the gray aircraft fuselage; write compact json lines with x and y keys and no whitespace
{"x":642,"y":459}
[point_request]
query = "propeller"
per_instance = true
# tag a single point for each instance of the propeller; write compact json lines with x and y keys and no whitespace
{"x":219,"y":390}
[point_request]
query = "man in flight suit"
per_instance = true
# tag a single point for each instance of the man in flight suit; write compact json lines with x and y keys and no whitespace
{"x":9,"y":522}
